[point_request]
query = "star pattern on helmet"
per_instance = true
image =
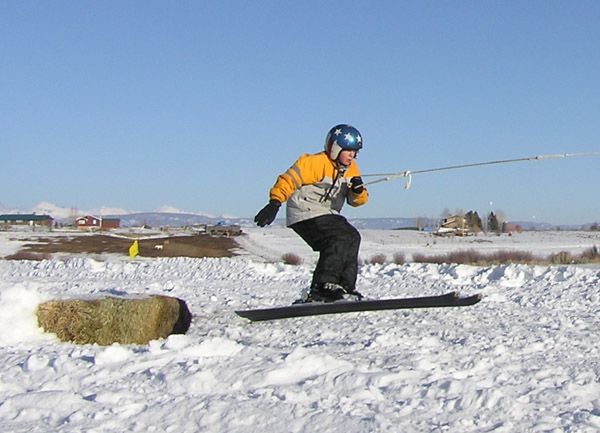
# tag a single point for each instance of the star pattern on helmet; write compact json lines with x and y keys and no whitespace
{"x":345,"y":136}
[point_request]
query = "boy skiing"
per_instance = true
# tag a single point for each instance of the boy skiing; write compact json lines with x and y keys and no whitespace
{"x":315,"y":189}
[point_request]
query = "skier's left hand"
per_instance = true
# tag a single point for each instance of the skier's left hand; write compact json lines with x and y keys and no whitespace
{"x":356,"y":185}
{"x":267,"y":214}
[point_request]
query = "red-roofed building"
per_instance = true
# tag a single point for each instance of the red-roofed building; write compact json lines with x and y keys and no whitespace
{"x":90,"y":222}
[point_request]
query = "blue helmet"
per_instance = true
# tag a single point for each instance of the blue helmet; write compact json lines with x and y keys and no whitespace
{"x":342,"y":137}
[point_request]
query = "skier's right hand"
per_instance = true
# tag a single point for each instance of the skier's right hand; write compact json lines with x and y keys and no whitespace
{"x":356,"y":185}
{"x":267,"y":214}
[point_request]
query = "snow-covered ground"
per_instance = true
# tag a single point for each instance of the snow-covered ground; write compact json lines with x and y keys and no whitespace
{"x":271,"y":243}
{"x":525,"y":359}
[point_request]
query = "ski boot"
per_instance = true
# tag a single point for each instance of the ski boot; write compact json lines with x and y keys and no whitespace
{"x":352,"y":295}
{"x":329,"y":292}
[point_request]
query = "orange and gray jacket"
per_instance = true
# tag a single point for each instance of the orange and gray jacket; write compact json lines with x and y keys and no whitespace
{"x":315,"y":186}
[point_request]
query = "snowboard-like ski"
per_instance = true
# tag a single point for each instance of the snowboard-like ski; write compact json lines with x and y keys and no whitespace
{"x":451,"y":299}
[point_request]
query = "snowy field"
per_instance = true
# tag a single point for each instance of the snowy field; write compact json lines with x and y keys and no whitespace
{"x":525,"y":359}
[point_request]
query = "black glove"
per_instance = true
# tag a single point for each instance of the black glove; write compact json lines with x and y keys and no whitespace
{"x":267,"y":214}
{"x":356,"y":185}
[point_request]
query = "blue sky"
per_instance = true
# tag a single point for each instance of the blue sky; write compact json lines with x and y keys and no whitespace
{"x":200,"y":105}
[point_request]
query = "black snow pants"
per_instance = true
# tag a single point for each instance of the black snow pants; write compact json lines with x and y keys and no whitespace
{"x":337,"y":242}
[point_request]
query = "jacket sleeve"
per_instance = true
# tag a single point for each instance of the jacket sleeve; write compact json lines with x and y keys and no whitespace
{"x":354,"y":199}
{"x":306,"y":170}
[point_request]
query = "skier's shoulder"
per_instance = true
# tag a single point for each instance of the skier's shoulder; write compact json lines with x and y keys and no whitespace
{"x":313,"y":159}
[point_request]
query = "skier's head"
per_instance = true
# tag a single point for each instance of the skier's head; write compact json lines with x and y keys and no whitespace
{"x":342,"y":137}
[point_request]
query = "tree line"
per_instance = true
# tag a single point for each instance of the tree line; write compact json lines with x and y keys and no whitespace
{"x":495,"y":222}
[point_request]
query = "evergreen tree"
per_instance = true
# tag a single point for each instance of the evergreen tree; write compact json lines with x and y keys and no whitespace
{"x":473,"y":221}
{"x":493,"y":225}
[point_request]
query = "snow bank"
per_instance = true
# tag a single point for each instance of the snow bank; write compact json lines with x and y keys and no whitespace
{"x":524,"y":359}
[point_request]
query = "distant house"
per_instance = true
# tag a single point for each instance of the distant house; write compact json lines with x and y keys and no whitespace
{"x":454,"y":225}
{"x":90,"y":222}
{"x":223,"y":230}
{"x":508,"y":227}
{"x":27,"y":219}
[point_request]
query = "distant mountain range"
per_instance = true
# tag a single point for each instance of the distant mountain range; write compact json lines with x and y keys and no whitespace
{"x":171,"y":219}
{"x":168,"y":216}
{"x":167,"y":219}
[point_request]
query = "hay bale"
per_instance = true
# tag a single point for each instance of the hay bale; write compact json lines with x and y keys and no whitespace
{"x":114,"y":320}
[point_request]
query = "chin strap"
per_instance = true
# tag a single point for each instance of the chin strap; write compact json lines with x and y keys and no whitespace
{"x":341,"y":169}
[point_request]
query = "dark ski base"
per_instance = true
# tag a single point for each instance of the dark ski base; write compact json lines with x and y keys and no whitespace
{"x":451,"y":299}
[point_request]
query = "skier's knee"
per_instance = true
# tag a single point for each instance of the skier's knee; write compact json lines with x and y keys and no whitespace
{"x":354,"y":236}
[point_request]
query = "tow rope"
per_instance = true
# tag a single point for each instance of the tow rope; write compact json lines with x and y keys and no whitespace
{"x":408,"y":174}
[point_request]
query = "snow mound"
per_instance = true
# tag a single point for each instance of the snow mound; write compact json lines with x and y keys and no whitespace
{"x":524,"y":359}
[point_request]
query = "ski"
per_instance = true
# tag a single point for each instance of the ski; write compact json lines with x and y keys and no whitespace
{"x":451,"y":299}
